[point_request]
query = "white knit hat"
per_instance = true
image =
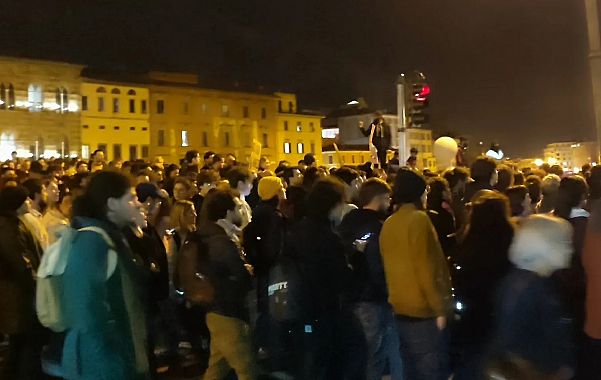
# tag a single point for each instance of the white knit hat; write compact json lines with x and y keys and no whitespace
{"x":542,"y":244}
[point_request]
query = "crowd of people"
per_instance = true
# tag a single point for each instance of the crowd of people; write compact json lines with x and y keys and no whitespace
{"x":485,"y":272}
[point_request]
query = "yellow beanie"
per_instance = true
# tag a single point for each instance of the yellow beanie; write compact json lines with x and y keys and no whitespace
{"x":269,"y":187}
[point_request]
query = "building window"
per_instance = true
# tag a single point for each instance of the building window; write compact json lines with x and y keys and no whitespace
{"x":131,"y":93}
{"x":102,"y":147}
{"x":227,"y":138}
{"x":143,"y":106}
{"x":133,"y":152}
{"x":285,"y":125}
{"x":116,"y":128}
{"x":245,"y":111}
{"x":287,"y":147}
{"x":161,"y":138}
{"x":101,"y":90}
{"x":300,"y":148}
{"x":225,"y":110}
{"x":35,"y":97}
{"x":160,"y":106}
{"x":85,"y":152}
{"x":263,"y":113}
{"x":185,"y":108}
{"x":312,"y":127}
{"x":144,"y":128}
{"x":246,"y":137}
{"x":100,"y":104}
{"x":116,"y":151}
{"x":205,"y":139}
{"x":115,"y":105}
{"x":116,"y":91}
{"x":290,"y":107}
{"x":84,"y":126}
{"x":11,"y":97}
{"x":312,"y":147}
{"x":299,"y":126}
{"x":84,"y":103}
{"x":185,"y":138}
{"x":132,"y":128}
{"x":279,"y":106}
{"x":204,"y":107}
{"x":145,"y":151}
{"x":101,"y":127}
{"x":2,"y":96}
{"x":265,"y":140}
{"x":132,"y":105}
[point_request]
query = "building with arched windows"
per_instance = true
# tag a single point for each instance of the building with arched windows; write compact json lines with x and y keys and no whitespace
{"x":39,"y":107}
{"x":114,"y":119}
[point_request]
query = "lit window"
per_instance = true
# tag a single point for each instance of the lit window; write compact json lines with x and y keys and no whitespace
{"x":225,"y":110}
{"x":35,"y":97}
{"x":203,"y":107}
{"x":299,"y":126}
{"x":287,"y":148}
{"x":85,"y":152}
{"x":100,"y":104}
{"x":115,"y":105}
{"x":160,"y":106}
{"x":2,"y":96}
{"x":300,"y":148}
{"x":185,"y":138}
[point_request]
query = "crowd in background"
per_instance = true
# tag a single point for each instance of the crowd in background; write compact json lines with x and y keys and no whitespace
{"x":343,"y":273}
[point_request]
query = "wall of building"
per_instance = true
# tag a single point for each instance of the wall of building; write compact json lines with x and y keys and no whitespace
{"x":571,"y":155}
{"x":39,"y":107}
{"x":122,"y":132}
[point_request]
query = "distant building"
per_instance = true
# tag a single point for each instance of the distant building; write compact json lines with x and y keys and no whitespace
{"x":39,"y":108}
{"x":571,"y":155}
{"x":114,"y":119}
{"x":342,"y":127}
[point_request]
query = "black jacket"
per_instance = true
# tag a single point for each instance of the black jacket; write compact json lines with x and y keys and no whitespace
{"x":318,"y":253}
{"x":368,"y":283}
{"x":264,"y":236}
{"x":226,"y":272}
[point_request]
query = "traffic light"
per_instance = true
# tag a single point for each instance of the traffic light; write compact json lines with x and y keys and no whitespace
{"x":418,"y":103}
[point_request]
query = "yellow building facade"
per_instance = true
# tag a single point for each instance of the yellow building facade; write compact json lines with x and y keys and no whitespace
{"x":39,"y":108}
{"x":115,"y":119}
{"x":421,"y":139}
{"x":297,"y":133}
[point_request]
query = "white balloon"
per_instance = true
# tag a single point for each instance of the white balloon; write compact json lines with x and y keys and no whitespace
{"x":445,"y":151}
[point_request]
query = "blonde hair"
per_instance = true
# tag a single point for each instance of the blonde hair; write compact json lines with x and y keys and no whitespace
{"x":178,"y":213}
{"x":542,"y":244}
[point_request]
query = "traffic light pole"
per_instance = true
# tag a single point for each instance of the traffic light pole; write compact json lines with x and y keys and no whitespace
{"x":402,"y":123}
{"x":594,"y":42}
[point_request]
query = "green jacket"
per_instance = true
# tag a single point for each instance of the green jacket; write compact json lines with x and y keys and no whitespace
{"x":102,"y":342}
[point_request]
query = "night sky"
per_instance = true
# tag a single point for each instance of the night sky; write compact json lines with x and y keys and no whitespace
{"x":515,"y":71}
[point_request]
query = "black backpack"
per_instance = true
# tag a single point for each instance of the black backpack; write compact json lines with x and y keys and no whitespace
{"x":191,"y":275}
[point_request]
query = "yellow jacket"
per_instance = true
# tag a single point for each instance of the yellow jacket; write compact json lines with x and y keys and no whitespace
{"x":416,"y":271}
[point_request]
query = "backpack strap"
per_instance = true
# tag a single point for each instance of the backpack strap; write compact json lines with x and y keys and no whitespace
{"x":112,"y":254}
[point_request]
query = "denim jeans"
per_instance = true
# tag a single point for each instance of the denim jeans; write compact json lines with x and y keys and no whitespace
{"x":382,"y":340}
{"x":424,"y":349}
